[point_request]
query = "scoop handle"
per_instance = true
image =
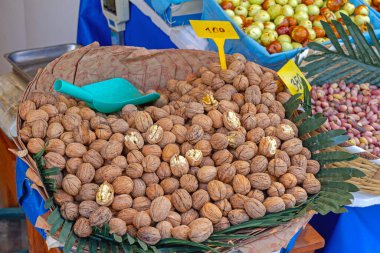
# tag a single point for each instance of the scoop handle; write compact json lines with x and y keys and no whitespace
{"x":72,"y":90}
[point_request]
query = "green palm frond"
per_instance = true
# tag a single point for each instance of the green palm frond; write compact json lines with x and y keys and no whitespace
{"x":353,"y":60}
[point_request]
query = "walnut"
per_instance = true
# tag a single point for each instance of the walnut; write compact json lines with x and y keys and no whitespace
{"x":306,"y":153}
{"x":256,"y":194}
{"x":88,"y":191}
{"x":237,"y":216}
{"x":284,"y":132}
{"x":163,"y":171}
{"x":69,"y":211}
{"x":35,"y":145}
{"x":283,"y":97}
{"x":57,"y":146}
{"x":219,"y":141}
{"x":193,"y":108}
{"x":160,"y":208}
{"x":152,"y":149}
{"x":288,"y":180}
{"x":105,"y":194}
{"x":180,"y":132}
{"x":268,"y":146}
{"x":87,"y":207}
{"x":276,"y":190}
{"x":260,"y":181}
{"x":143,"y":121}
{"x":122,"y":185}
{"x":216,"y":190}
{"x":82,"y":227}
{"x":71,"y":184}
{"x":74,"y":150}
{"x":228,"y":75}
{"x":53,"y":159}
{"x":154,"y":134}
{"x":203,"y":121}
{"x":312,"y":167}
{"x":100,"y":216}
{"x":199,"y":198}
{"x":150,"y":163}
{"x":117,"y":226}
{"x":39,"y":128}
{"x":246,"y":152}
{"x":25,"y":107}
{"x":298,"y":172}
{"x":170,"y":151}
{"x":263,"y":109}
{"x":274,"y":119}
{"x":299,"y":194}
{"x":277,"y":167}
{"x":165,"y":229}
{"x":189,"y":216}
{"x":127,"y":215}
{"x":179,"y":165}
{"x":141,"y":219}
{"x":121,"y":202}
{"x":274,"y":204}
{"x":216,"y":118}
{"x":189,"y":183}
{"x":134,"y":170}
{"x":200,"y":229}
{"x":209,"y":102}
{"x":165,"y":123}
{"x":211,"y":212}
{"x":270,"y":131}
{"x":85,"y":173}
{"x":206,"y":173}
{"x":97,"y":145}
{"x":262,"y":120}
{"x":226,"y":172}
{"x":133,"y":140}
{"x":194,"y":134}
{"x":169,"y":185}
{"x":254,"y":208}
{"x":180,"y":232}
{"x":237,"y":201}
{"x":241,"y":184}
{"x":194,"y":157}
{"x":149,"y":235}
{"x":61,"y":197}
{"x":153,"y":191}
{"x":71,"y":121}
{"x":259,"y":164}
{"x":289,"y":200}
{"x":111,"y":150}
{"x":224,"y":206}
{"x":222,"y":156}
{"x":107,"y":173}
{"x":283,"y":156}
{"x":174,"y":218}
{"x":311,"y":184}
{"x":25,"y":134}
{"x":255,"y":135}
{"x":141,"y":203}
{"x":34,"y":115}
{"x":252,"y":94}
{"x":224,"y":223}
{"x":235,"y":138}
{"x":231,"y":120}
{"x":181,"y":200}
{"x":292,"y":146}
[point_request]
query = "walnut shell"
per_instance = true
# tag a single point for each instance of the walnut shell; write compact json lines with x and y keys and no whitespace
{"x":189,"y":183}
{"x":85,"y":173}
{"x":169,"y":185}
{"x":289,"y":200}
{"x":87,"y":207}
{"x":127,"y":215}
{"x":170,"y":151}
{"x":82,"y":227}
{"x":117,"y":226}
{"x":35,"y":145}
{"x":165,"y":228}
{"x":111,"y":150}
{"x":254,"y":208}
{"x":88,"y":192}
{"x":154,"y":190}
{"x":180,"y":232}
{"x":71,"y":121}
{"x":174,"y":219}
{"x":260,"y":181}
{"x":211,"y":212}
{"x":238,"y":200}
{"x":242,"y":167}
{"x":61,"y":197}
{"x":256,"y":194}
{"x":224,"y":206}
{"x":123,"y":185}
{"x":100,"y":216}
{"x":143,"y":121}
{"x":241,"y":184}
{"x":107,"y":173}
{"x":105,"y":194}
{"x":237,"y":216}
{"x":189,"y":216}
{"x":299,"y":193}
{"x":292,"y":146}
{"x":160,"y":208}
{"x":277,"y":167}
{"x":121,"y":202}
{"x":206,"y":173}
{"x":179,"y":165}
{"x":255,"y":135}
{"x":69,"y":211}
{"x":141,"y":219}
{"x":298,"y":172}
{"x":181,"y":200}
{"x":276,"y":190}
{"x":259,"y":164}
{"x":216,"y":190}
{"x":133,"y":140}
{"x":141,"y":203}
{"x":274,"y":204}
{"x":224,"y":223}
{"x":311,"y":184}
{"x":74,"y":150}
{"x":312,"y":167}
{"x":200,"y":230}
{"x":199,"y":198}
{"x":71,"y":184}
{"x":284,"y":132}
{"x":25,"y":107}
{"x":288,"y":180}
{"x":53,"y":159}
{"x":149,"y":235}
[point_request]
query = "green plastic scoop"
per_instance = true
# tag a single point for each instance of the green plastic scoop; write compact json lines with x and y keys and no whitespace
{"x":106,"y":96}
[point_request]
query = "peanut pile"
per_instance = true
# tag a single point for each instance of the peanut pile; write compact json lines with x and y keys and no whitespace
{"x":213,"y":151}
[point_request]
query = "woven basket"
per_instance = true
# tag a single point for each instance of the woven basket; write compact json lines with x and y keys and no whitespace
{"x":147,"y":70}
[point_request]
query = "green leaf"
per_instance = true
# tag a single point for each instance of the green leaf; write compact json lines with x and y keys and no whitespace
{"x":333,"y":156}
{"x":310,"y":125}
{"x":39,"y":155}
{"x":50,"y":172}
{"x":330,"y":34}
{"x":339,"y":199}
{"x":291,"y":108}
{"x":331,"y":142}
{"x":300,"y":117}
{"x":56,"y":225}
{"x":340,"y":210}
{"x":130,"y":239}
{"x":155,"y":250}
{"x":114,"y":248}
{"x":344,"y":38}
{"x":340,"y":185}
{"x":48,"y":203}
{"x":117,"y":238}
{"x":69,"y":243}
{"x":66,"y":229}
{"x":103,"y":247}
{"x":55,"y":215}
{"x":81,"y":244}
{"x":142,"y":245}
{"x":93,"y":246}
{"x":126,"y":248}
{"x":177,"y":242}
{"x":339,"y":173}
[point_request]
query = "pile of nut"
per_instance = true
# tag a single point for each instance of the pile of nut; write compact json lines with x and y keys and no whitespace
{"x":213,"y":151}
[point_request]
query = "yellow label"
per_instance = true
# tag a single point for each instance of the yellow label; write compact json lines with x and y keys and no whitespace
{"x":219,"y":31}
{"x":292,"y":76}
{"x":214,"y":29}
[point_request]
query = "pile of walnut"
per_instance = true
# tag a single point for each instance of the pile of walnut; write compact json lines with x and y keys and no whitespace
{"x":213,"y":151}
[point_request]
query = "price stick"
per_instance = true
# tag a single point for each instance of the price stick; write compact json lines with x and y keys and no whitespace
{"x":292,"y":76}
{"x":218,"y":31}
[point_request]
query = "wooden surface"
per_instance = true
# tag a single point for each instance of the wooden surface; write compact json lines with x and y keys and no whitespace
{"x":7,"y":173}
{"x":308,"y":241}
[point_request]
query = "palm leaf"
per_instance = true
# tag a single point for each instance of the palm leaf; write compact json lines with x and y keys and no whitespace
{"x":352,"y":60}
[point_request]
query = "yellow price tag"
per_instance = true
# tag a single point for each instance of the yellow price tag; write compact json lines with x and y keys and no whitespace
{"x":219,"y":31}
{"x":292,"y":76}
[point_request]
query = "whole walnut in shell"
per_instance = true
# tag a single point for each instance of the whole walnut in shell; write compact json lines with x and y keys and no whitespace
{"x":111,"y":150}
{"x":224,"y":223}
{"x":133,"y":140}
{"x":292,"y":146}
{"x":224,"y":206}
{"x":74,"y":150}
{"x":217,"y":190}
{"x":69,"y":211}
{"x":85,"y":173}
{"x":259,"y":164}
{"x":82,"y":227}
{"x":211,"y":212}
{"x":149,"y":235}
{"x":274,"y":204}
{"x":254,"y":208}
{"x":288,"y":180}
{"x":189,"y":216}
{"x":241,"y":184}
{"x":289,"y":200}
{"x":237,"y":216}
{"x":160,"y":208}
{"x":35,"y":145}
{"x":189,"y":183}
{"x":180,"y":232}
{"x":256,"y":194}
{"x":237,"y":201}
{"x":53,"y":159}
{"x":25,"y":107}
{"x":200,"y":230}
{"x":153,"y":191}
{"x":127,"y":215}
{"x":143,"y":121}
{"x":299,"y":194}
{"x":312,"y":167}
{"x":71,"y":184}
{"x":88,"y":192}
{"x":141,"y":203}
{"x":260,"y":181}
{"x":276,"y":190}
{"x":181,"y":200}
{"x":121,"y":202}
{"x":199,"y":198}
{"x":141,"y":219}
{"x":284,"y":132}
{"x":179,"y":165}
{"x":122,"y":185}
{"x":57,"y":146}
{"x":311,"y":184}
{"x":165,"y":228}
{"x":277,"y":167}
{"x":169,"y":185}
{"x":117,"y":226}
{"x":206,"y":173}
{"x":87,"y":207}
{"x":100,"y":216}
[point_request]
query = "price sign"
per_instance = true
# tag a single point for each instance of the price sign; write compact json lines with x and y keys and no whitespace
{"x":292,"y":76}
{"x":218,"y":31}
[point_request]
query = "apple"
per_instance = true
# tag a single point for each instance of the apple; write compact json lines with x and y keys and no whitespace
{"x":300,"y":34}
{"x":258,"y":24}
{"x":227,"y":5}
{"x":330,"y":16}
{"x":307,"y":24}
{"x":241,"y":11}
{"x":258,"y":2}
{"x":300,"y":16}
{"x":301,"y":8}
{"x":287,"y":10}
{"x":268,"y":3}
{"x":283,"y":30}
{"x":319,"y":32}
{"x":296,"y":45}
{"x":282,"y":2}
{"x":269,"y":25}
{"x":262,"y":16}
{"x":319,"y":3}
{"x":245,"y":3}
{"x":361,"y":20}
{"x":275,"y":34}
{"x":236,"y":3}
{"x":293,"y":3}
{"x":277,"y":21}
{"x":267,"y":38}
{"x":254,"y":33}
{"x":312,"y":34}
{"x":253,"y":9}
{"x":229,"y":13}
{"x":286,"y":46}
{"x":349,"y":8}
{"x":313,"y":10}
{"x":362,"y":10}
{"x":274,"y":47}
{"x":237,"y":20}
{"x":274,"y":11}
{"x":284,"y":38}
